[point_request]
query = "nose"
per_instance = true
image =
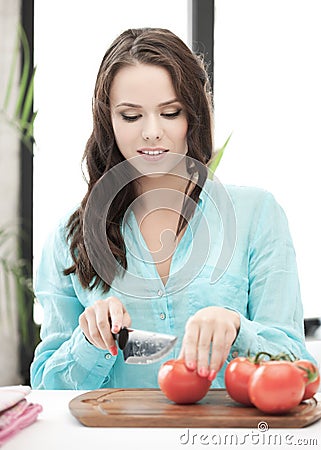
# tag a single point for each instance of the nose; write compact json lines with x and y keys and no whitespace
{"x":152,"y":130}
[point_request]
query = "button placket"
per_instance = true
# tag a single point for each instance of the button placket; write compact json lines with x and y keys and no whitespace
{"x":161,"y":308}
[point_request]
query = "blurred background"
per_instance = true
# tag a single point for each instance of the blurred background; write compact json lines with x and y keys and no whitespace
{"x":266,"y":93}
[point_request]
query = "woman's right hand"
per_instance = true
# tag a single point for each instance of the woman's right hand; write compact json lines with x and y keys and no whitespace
{"x":101,"y":319}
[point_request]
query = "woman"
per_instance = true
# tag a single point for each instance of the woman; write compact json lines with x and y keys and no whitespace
{"x":154,"y":243}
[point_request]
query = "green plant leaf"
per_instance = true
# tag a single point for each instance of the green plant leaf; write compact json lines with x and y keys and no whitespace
{"x":23,"y":86}
{"x":13,"y":275}
{"x":15,"y":283}
{"x":217,"y":158}
{"x":27,"y":105}
{"x":23,"y":117}
{"x":29,"y":129}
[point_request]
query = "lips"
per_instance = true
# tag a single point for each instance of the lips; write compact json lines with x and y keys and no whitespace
{"x":152,"y":151}
{"x":153,"y":154}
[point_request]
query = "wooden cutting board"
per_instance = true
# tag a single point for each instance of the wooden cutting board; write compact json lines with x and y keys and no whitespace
{"x":150,"y":408}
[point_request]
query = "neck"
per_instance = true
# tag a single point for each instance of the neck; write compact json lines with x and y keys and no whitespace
{"x":165,"y":192}
{"x":168,"y":181}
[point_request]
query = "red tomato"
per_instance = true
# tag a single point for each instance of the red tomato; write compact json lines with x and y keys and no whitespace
{"x":276,"y":387}
{"x":237,"y":375}
{"x":180,"y":384}
{"x":311,"y":377}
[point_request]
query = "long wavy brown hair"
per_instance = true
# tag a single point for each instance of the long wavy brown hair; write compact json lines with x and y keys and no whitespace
{"x":190,"y":80}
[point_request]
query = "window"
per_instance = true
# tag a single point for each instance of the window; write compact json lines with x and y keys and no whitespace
{"x":267,"y":92}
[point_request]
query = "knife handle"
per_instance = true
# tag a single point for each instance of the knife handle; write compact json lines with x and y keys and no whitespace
{"x":121,"y":337}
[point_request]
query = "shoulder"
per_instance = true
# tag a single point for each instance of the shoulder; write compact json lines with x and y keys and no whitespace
{"x":250,"y":197}
{"x":243,"y":198}
{"x":253,"y":207}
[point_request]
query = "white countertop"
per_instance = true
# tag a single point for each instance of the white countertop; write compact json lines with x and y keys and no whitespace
{"x":57,"y":429}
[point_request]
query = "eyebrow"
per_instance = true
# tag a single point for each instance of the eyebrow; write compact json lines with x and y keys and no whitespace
{"x":133,"y":105}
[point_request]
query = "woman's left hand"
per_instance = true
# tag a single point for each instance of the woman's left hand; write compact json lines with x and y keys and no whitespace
{"x":212,"y":329}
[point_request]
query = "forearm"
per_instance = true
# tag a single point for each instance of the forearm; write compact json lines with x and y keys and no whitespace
{"x":254,"y":337}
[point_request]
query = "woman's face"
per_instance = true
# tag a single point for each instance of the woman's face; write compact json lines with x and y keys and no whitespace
{"x":148,"y":120}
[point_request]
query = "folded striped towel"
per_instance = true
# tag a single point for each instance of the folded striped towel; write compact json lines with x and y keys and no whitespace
{"x":15,"y":412}
{"x":10,"y":395}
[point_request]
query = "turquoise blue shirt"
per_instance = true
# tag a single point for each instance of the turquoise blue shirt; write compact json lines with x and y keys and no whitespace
{"x":236,"y":253}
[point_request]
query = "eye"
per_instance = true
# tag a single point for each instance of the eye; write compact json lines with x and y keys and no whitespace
{"x":172,"y":115}
{"x":130,"y":118}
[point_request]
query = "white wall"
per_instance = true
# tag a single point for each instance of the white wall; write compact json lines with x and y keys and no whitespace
{"x":268,"y":93}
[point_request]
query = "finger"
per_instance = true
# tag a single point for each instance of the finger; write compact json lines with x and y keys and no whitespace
{"x":220,"y":349}
{"x":203,"y":351}
{"x":229,"y":338}
{"x":190,"y":342}
{"x":101,"y":311}
{"x":94,"y":335}
{"x":116,"y":314}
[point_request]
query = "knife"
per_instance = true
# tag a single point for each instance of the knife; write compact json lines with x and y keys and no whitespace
{"x":143,"y":347}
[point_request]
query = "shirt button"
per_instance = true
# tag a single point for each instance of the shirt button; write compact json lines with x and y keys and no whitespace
{"x":235,"y":354}
{"x":160,"y":293}
{"x":107,"y":356}
{"x":162,"y":316}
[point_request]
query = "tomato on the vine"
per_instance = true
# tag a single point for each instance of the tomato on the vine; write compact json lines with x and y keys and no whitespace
{"x":276,"y":386}
{"x":180,"y":384}
{"x":236,"y":377}
{"x":311,"y":376}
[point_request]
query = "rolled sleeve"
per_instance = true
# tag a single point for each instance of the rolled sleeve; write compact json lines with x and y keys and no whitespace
{"x":64,"y":359}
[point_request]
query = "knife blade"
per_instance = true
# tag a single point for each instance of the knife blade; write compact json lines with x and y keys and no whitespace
{"x":144,"y":347}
